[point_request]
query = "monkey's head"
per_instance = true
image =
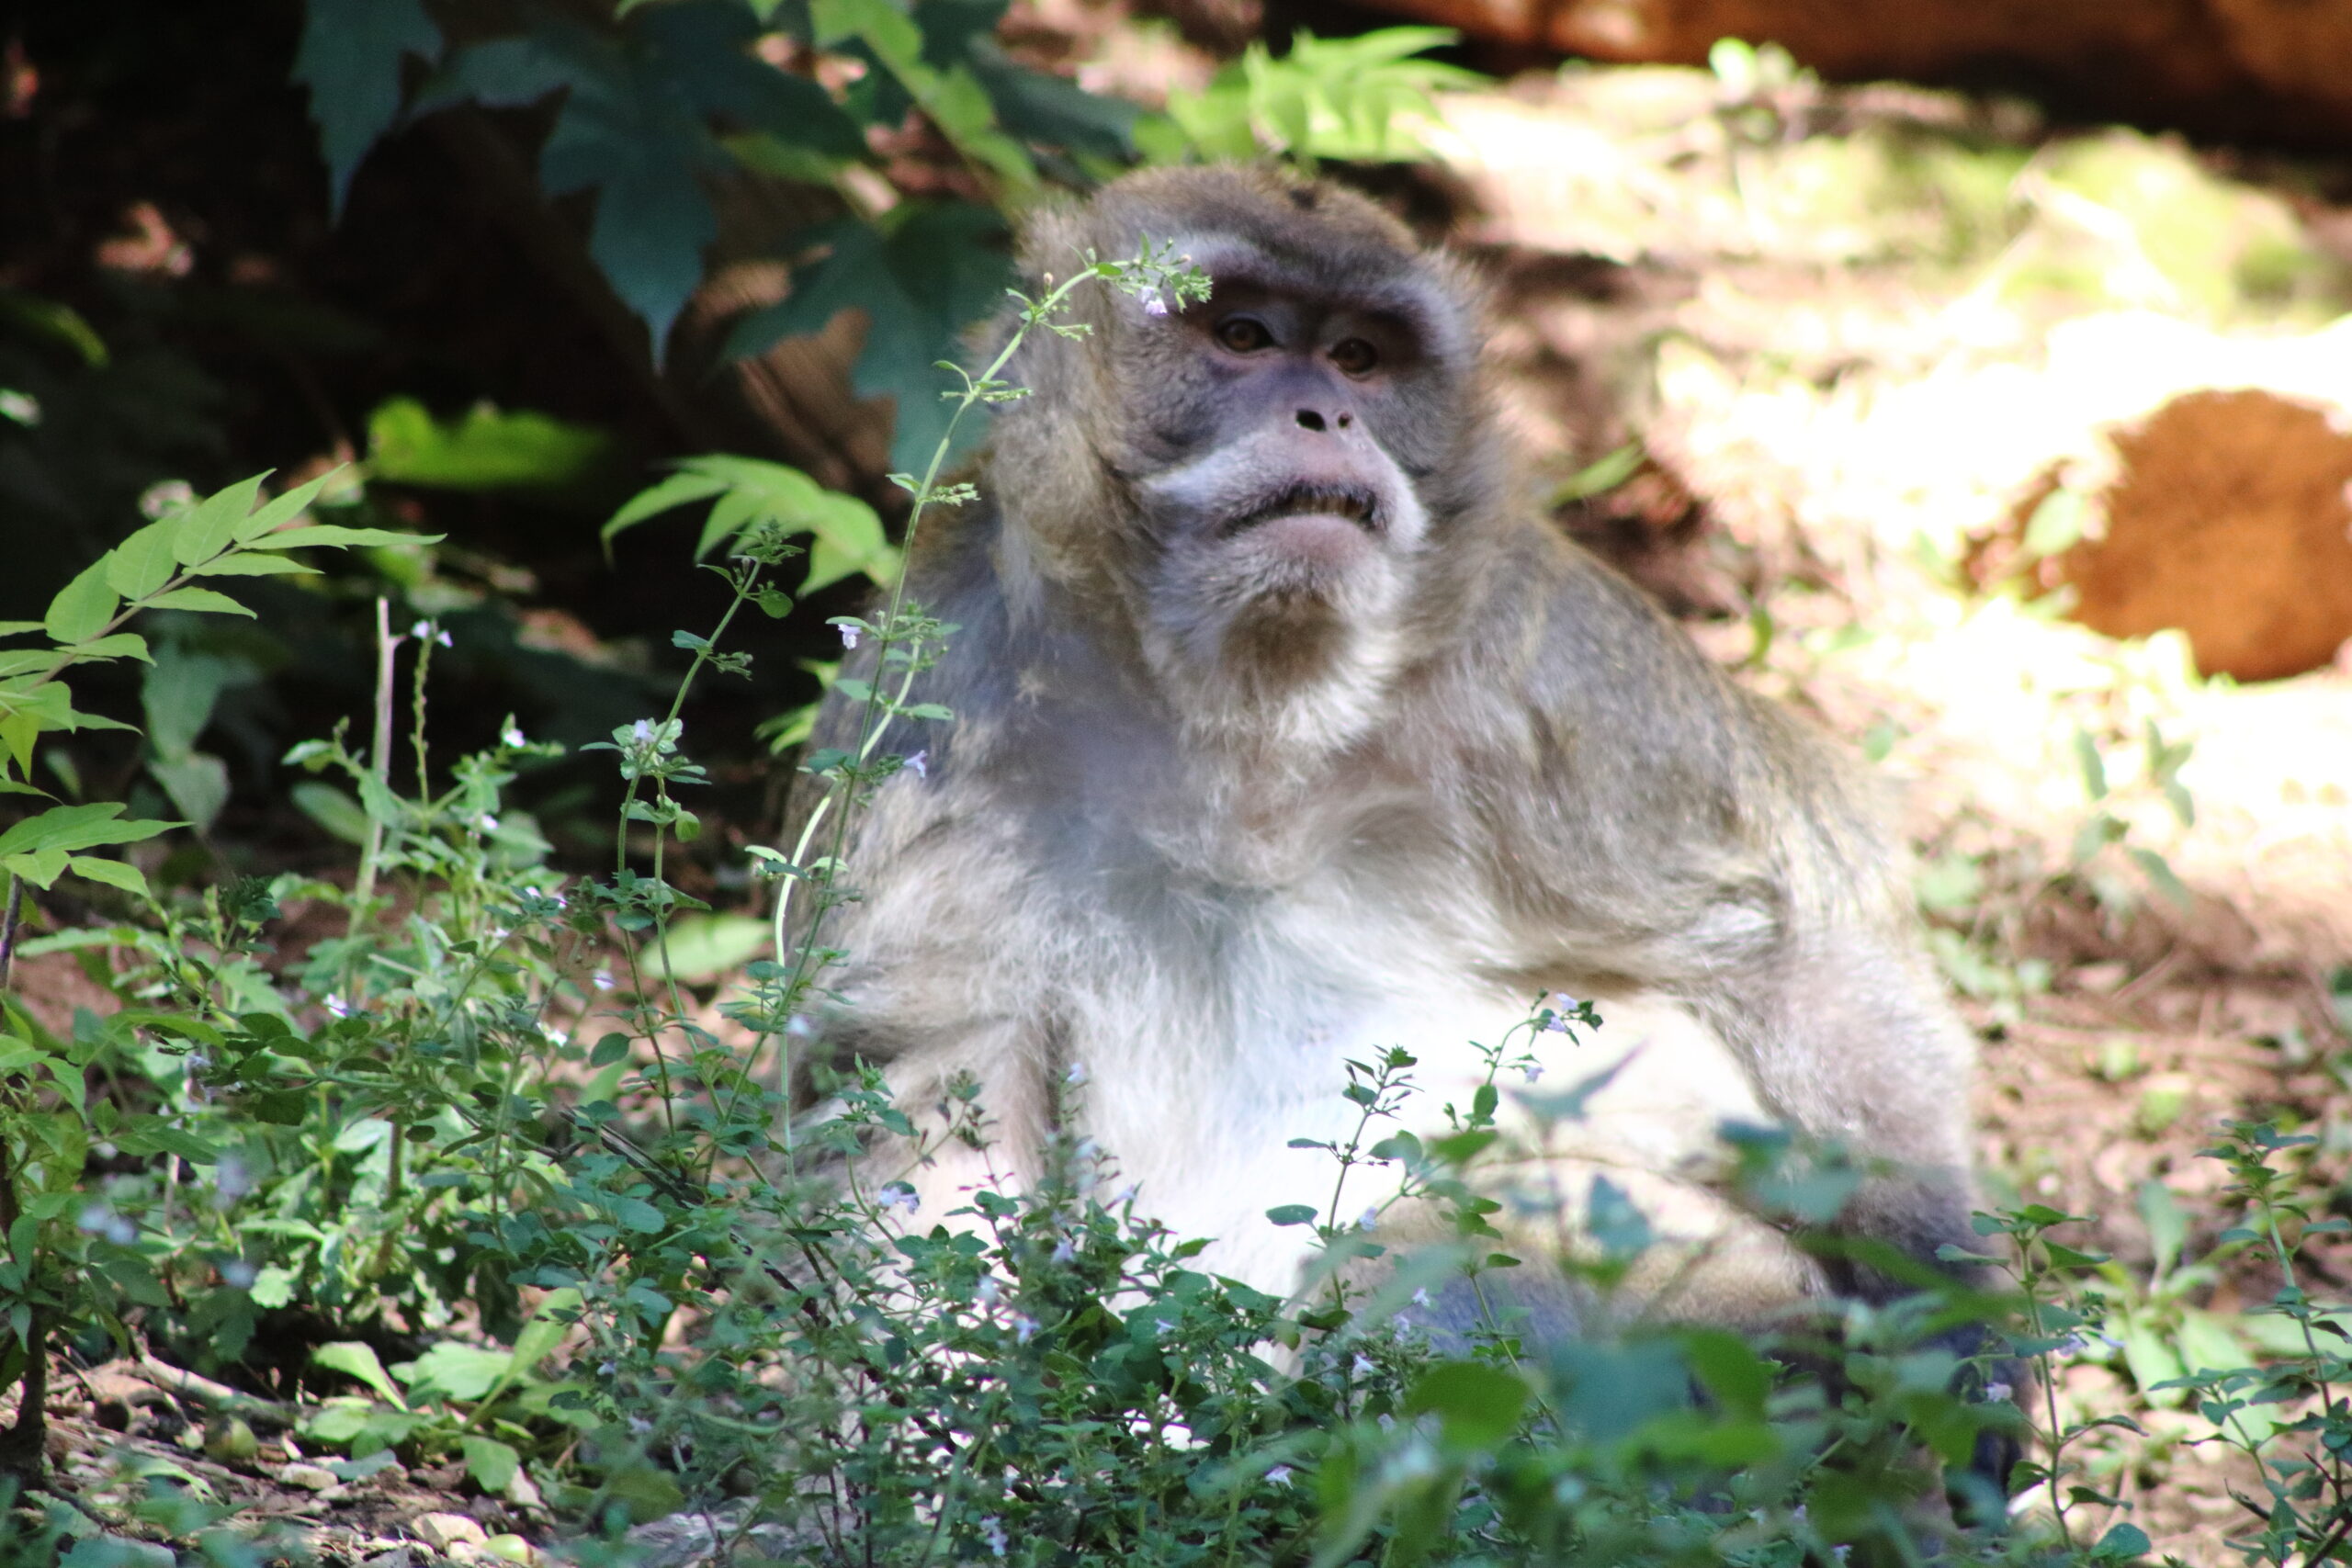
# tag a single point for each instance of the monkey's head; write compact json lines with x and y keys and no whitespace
{"x":1250,"y":487}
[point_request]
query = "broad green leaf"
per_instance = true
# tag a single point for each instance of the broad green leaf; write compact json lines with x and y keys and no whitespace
{"x":81,"y":827}
{"x":491,"y":1463}
{"x":82,"y":607}
{"x":254,"y":563}
{"x":678,"y":490}
{"x":197,"y":782}
{"x":707,"y":50}
{"x":202,"y":600}
{"x":39,"y":867}
{"x":1478,"y":1405}
{"x":144,"y":562}
{"x":485,"y":450}
{"x":332,"y":809}
{"x":113,"y":873}
{"x":356,"y":1359}
{"x":321,"y":534}
{"x":350,"y":60}
{"x":704,"y":947}
{"x":211,"y":523}
{"x":179,"y":692}
{"x":284,"y":509}
{"x":120,"y":645}
{"x":925,"y":274}
{"x":457,"y":1371}
{"x":547,"y":1328}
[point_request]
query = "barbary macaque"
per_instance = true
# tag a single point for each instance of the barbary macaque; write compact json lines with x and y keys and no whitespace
{"x":1287,"y":731}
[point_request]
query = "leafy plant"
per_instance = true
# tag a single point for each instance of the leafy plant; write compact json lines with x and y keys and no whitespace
{"x":1364,"y":99}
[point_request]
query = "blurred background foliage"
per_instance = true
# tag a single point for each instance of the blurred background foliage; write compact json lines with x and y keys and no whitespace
{"x":507,"y":261}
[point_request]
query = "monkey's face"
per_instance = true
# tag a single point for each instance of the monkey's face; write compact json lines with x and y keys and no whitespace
{"x":1283,"y":528}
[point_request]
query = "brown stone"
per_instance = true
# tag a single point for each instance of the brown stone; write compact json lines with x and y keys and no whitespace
{"x":2230,"y":518}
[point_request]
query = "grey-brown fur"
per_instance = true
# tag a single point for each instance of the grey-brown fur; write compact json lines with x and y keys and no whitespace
{"x":1209,"y":844}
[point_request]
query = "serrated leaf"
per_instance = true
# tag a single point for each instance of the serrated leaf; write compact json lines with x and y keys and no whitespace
{"x":82,"y":607}
{"x":203,"y":601}
{"x":144,"y":562}
{"x":350,"y":60}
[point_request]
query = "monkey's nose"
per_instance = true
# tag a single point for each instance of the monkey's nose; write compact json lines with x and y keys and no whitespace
{"x":1310,"y":420}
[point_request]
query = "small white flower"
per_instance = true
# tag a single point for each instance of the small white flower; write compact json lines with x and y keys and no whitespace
{"x":992,"y":1531}
{"x":1076,"y":1076}
{"x":1126,"y":1194}
{"x":798,"y":1026}
{"x":639,"y":1426}
{"x":444,"y":640}
{"x":421,"y":630}
{"x":898,"y":1195}
{"x":1154,"y":303}
{"x":1999,"y":1392}
{"x":920,"y":764}
{"x":240,"y":1273}
{"x":337,"y":1006}
{"x":512,"y":736}
{"x":849,"y":639}
{"x":499,"y":933}
{"x":1369,"y":1220}
{"x":601,"y":979}
{"x":1421,"y":1297}
{"x":990,"y":1293}
{"x":642,"y":731}
{"x":607,"y":1368}
{"x":1160,"y":1326}
{"x":1534,"y":1070}
{"x":1279,"y":1475}
{"x":1361,"y":1366}
{"x":1024,"y":1330}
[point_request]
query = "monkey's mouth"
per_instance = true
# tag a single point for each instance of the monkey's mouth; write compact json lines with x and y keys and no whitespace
{"x":1357,"y":506}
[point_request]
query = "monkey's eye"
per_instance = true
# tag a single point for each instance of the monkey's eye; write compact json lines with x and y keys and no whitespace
{"x":1244,"y":335}
{"x":1353,"y":356}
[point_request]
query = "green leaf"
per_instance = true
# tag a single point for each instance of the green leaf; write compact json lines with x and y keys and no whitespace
{"x":485,"y":450}
{"x":332,"y":809}
{"x":2122,"y":1541}
{"x":202,"y":600}
{"x":491,"y":1463}
{"x":197,"y":782}
{"x":704,"y":947}
{"x":113,"y":873}
{"x":121,"y":645}
{"x":350,"y":60}
{"x":2094,"y":770}
{"x":356,"y":1359}
{"x":82,"y":607}
{"x":278,"y":512}
{"x":78,"y":828}
{"x":1292,"y":1214}
{"x":252,"y":563}
{"x":322,"y":534}
{"x":678,"y":490}
{"x":922,"y":277}
{"x":1478,"y":1405}
{"x":457,"y":1371}
{"x":211,"y":523}
{"x":144,"y":562}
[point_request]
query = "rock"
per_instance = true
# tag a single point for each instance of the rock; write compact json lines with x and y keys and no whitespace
{"x":443,"y":1532}
{"x":310,"y":1477}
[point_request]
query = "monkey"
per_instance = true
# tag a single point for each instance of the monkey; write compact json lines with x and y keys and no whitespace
{"x":1288,"y":730}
